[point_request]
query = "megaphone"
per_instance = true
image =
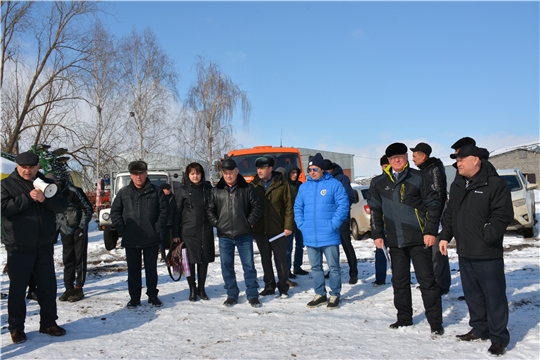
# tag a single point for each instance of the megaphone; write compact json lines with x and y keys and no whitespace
{"x":48,"y":189}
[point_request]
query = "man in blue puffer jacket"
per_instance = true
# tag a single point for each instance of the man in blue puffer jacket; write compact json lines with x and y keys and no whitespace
{"x":320,"y":208}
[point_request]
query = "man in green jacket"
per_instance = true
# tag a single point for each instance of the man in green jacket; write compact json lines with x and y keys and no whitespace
{"x":277,"y":219}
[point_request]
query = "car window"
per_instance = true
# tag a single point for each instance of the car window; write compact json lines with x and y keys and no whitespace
{"x":513,"y":182}
{"x":365,"y":193}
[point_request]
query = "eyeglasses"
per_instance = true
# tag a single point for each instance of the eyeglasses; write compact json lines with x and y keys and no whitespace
{"x":313,"y":169}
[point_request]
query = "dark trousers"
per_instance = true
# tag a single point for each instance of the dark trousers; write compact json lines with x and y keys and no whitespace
{"x":21,"y":266}
{"x":298,"y":250}
{"x":74,"y":253}
{"x":401,"y":282}
{"x":441,"y":267}
{"x":165,"y":237}
{"x":484,"y":286}
{"x":279,"y":249}
{"x":380,"y":264}
{"x":134,"y":264}
{"x":345,"y":234}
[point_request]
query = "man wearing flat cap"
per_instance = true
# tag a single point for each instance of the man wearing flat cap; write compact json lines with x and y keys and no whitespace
{"x":406,"y":207}
{"x":234,"y":207}
{"x":139,"y":213}
{"x":28,"y":233}
{"x":277,"y":217}
{"x":320,"y":208}
{"x":478,"y":212}
{"x":435,"y":169}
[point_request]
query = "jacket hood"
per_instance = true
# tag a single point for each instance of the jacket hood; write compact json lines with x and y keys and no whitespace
{"x":290,"y":168}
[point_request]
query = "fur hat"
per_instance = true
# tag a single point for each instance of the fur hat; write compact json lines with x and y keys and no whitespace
{"x":137,"y":167}
{"x":264,"y":161}
{"x":395,"y":149}
{"x":462,"y":142}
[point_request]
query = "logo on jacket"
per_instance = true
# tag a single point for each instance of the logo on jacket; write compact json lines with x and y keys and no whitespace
{"x":478,"y":192}
{"x":323,"y":192}
{"x":387,"y":187}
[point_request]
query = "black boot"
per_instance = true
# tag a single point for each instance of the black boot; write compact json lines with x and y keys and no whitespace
{"x":163,"y":256}
{"x":192,"y":283}
{"x":203,"y":269}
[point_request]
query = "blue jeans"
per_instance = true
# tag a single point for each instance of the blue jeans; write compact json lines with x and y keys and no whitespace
{"x":298,"y":250}
{"x":331,"y":253}
{"x":244,"y":244}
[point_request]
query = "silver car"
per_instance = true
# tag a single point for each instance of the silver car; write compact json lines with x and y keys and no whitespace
{"x":523,"y":201}
{"x":360,"y":214}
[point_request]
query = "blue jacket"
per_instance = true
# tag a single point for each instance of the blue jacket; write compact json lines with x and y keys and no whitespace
{"x":320,"y":208}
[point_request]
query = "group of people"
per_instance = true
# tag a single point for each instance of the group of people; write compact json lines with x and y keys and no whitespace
{"x":275,"y":210}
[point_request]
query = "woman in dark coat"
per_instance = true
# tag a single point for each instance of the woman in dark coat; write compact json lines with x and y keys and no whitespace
{"x":193,"y":228}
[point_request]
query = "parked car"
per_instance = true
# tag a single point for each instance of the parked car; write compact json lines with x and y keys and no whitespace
{"x":360,"y":214}
{"x":523,"y":201}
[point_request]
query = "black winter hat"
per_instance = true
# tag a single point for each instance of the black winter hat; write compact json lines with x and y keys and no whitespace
{"x":423,"y":147}
{"x":165,"y":186}
{"x":384,"y":160}
{"x":317,"y":160}
{"x":264,"y":161}
{"x":462,"y":142}
{"x":228,"y":164}
{"x":27,"y":159}
{"x":469,"y":150}
{"x":328,"y":164}
{"x":395,"y":149}
{"x":137,"y":167}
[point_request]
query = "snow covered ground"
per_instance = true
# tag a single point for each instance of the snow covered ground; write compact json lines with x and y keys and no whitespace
{"x":101,"y":327}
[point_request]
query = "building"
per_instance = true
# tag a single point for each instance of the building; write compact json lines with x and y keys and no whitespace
{"x":525,"y":157}
{"x":346,"y":161}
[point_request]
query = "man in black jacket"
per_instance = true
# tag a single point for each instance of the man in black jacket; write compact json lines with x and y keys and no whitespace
{"x":139,"y":213}
{"x":73,"y":226}
{"x":345,"y":229}
{"x":478,"y":212}
{"x":435,"y":169}
{"x":28,"y":233}
{"x":166,"y":235}
{"x":234,"y":207}
{"x":406,"y":207}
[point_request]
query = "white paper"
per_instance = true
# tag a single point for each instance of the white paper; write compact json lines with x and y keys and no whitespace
{"x":276,"y":237}
{"x":387,"y":256}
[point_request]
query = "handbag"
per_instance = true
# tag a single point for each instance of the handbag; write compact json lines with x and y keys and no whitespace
{"x":175,"y":260}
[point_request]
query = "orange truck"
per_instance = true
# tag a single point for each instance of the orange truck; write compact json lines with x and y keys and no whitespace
{"x":283,"y":156}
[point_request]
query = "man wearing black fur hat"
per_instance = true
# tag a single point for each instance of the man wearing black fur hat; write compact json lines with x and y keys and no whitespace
{"x":277,"y":217}
{"x":28,"y":233}
{"x":406,"y":207}
{"x":139,"y":213}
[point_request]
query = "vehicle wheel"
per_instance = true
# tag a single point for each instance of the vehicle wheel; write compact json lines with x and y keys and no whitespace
{"x":110,"y":238}
{"x":528,"y":232}
{"x":355,"y":231}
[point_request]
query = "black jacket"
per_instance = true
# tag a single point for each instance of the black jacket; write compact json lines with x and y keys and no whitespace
{"x":171,"y":202}
{"x":28,"y":224}
{"x":338,"y":174}
{"x":295,"y":185}
{"x":191,"y":223}
{"x":435,"y":169}
{"x":406,"y":209}
{"x":277,"y":205}
{"x":233,"y":211}
{"x":477,"y":215}
{"x":139,"y":216}
{"x":78,"y":213}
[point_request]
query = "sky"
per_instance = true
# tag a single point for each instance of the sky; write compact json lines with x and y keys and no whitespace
{"x":354,"y":77}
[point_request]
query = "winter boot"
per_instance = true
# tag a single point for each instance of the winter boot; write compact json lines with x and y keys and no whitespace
{"x":192,"y":288}
{"x":202,"y":269}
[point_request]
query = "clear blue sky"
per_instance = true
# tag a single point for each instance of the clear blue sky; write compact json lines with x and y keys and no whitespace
{"x":356,"y":76}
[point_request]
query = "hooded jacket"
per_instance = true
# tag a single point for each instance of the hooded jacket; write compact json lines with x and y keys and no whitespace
{"x":28,"y":224}
{"x":277,"y":205}
{"x":79,"y":210}
{"x":234,"y":210}
{"x":477,"y":215}
{"x":294,"y":185}
{"x":406,"y":209}
{"x":338,"y":174}
{"x":191,"y":224}
{"x":435,"y":169}
{"x":139,"y":216}
{"x":319,"y":210}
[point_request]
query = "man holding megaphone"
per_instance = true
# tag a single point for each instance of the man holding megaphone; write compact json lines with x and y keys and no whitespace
{"x":28,"y":233}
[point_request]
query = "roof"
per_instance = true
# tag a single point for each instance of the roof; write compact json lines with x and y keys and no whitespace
{"x":533,"y":146}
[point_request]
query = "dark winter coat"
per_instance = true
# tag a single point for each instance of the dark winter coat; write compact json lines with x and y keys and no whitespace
{"x":477,"y":215}
{"x":28,"y":224}
{"x":405,"y":210}
{"x":277,"y":205}
{"x":234,"y":210}
{"x":78,"y":213}
{"x":139,"y":216}
{"x":191,"y":224}
{"x":338,"y":174}
{"x":435,"y":169}
{"x":171,"y":201}
{"x":294,"y":185}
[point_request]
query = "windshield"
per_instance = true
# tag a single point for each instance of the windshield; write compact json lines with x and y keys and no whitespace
{"x":124,"y":180}
{"x":246,"y":163}
{"x":513,"y":182}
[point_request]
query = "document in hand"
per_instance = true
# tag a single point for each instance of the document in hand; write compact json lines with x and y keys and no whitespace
{"x":276,"y":237}
{"x":387,"y":256}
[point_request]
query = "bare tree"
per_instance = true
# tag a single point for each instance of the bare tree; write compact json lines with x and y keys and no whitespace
{"x":60,"y":43}
{"x":212,"y":101}
{"x":150,"y":78}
